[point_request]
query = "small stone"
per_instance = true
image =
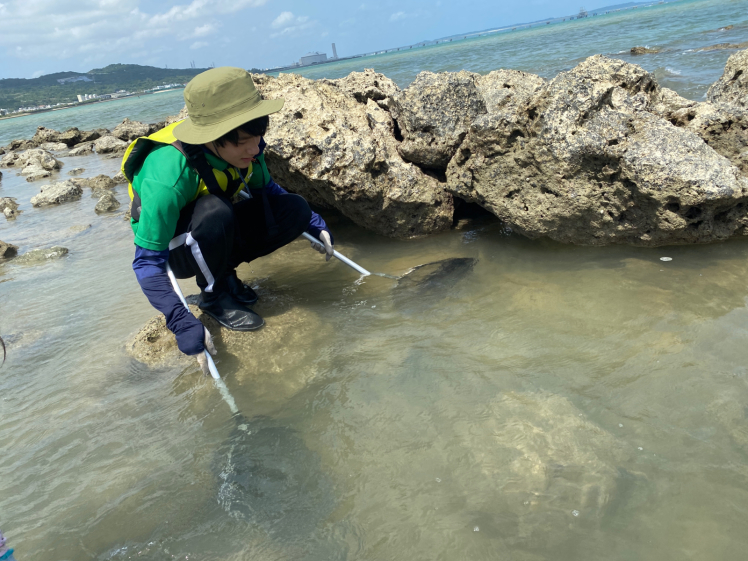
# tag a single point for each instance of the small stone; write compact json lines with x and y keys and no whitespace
{"x":575,"y":513}
{"x":666,"y":258}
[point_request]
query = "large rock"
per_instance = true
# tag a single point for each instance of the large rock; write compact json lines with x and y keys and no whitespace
{"x":366,"y":85}
{"x":434,"y":114}
{"x":270,"y":358}
{"x":83,"y":149}
{"x":36,"y":158}
{"x":41,"y":255}
{"x":338,"y":152}
{"x":586,"y":162}
{"x":109,"y":144}
{"x":119,"y":178}
{"x":54,"y":146}
{"x":9,"y":159}
{"x":732,"y":87}
{"x":722,"y":126}
{"x":181,"y":116}
{"x":107,"y":203}
{"x":129,"y":130}
{"x":101,"y":181}
{"x":57,"y":193}
{"x":20,"y":145}
{"x":7,"y":250}
{"x":9,"y":207}
{"x":35,"y":173}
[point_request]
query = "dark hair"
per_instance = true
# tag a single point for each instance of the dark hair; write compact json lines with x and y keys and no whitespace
{"x":255,"y":127}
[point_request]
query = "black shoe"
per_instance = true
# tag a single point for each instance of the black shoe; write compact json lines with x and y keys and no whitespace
{"x":240,"y":291}
{"x":231,"y":314}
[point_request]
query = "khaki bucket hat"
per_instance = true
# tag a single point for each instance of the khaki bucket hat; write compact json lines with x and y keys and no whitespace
{"x":220,"y":100}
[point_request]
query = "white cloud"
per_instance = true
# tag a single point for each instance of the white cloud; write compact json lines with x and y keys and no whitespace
{"x":76,"y":29}
{"x":350,"y":22}
{"x":198,"y":45}
{"x":38,"y":73}
{"x":204,"y":30}
{"x":281,"y":20}
{"x":398,"y":15}
{"x":290,"y":24}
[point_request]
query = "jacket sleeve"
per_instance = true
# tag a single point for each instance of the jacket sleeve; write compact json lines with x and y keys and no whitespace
{"x":150,"y":270}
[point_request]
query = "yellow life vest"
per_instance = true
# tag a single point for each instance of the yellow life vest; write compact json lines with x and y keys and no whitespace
{"x":229,"y":180}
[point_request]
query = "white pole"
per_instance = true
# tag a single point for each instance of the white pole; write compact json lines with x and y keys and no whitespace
{"x":340,"y":256}
{"x":222,"y":388}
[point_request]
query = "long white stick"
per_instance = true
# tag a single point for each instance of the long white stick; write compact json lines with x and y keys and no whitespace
{"x":211,"y":365}
{"x":340,"y":256}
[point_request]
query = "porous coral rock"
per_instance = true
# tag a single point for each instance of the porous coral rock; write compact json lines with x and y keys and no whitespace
{"x":129,"y":130}
{"x":57,"y":193}
{"x":107,"y":203}
{"x":732,"y":87}
{"x":109,"y":144}
{"x":586,"y":162}
{"x":338,"y":152}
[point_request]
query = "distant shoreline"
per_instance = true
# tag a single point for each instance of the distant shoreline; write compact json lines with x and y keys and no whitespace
{"x":84,"y":104}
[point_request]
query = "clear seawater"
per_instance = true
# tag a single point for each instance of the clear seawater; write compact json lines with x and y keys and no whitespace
{"x":553,"y":403}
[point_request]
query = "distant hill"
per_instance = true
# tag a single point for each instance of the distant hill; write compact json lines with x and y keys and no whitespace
{"x":48,"y":89}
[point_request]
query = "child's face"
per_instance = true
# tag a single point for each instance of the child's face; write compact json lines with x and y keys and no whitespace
{"x":242,"y":153}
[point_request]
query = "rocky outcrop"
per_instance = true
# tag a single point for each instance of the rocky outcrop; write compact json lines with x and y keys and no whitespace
{"x":76,"y":171}
{"x":99,"y":182}
{"x":340,"y":152}
{"x":119,"y":179}
{"x":724,"y":127}
{"x":7,"y":250}
{"x":41,"y":255}
{"x":732,"y":87}
{"x":19,"y":145}
{"x":9,"y":207}
{"x":107,"y":203}
{"x":643,"y":51}
{"x":181,"y":116}
{"x":586,"y":162}
{"x":129,"y":130}
{"x":70,"y":138}
{"x":434,"y":114}
{"x":57,"y":193}
{"x":270,"y":358}
{"x":83,"y":149}
{"x":54,"y":146}
{"x":109,"y":144}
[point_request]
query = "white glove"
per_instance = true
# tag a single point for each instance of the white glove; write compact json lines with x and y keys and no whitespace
{"x":327,"y":248}
{"x":202,"y":360}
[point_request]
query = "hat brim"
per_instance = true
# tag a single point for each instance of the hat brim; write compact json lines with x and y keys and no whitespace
{"x":191,"y":133}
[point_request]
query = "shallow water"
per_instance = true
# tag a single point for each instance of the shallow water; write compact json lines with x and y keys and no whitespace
{"x":552,"y":402}
{"x":548,"y":402}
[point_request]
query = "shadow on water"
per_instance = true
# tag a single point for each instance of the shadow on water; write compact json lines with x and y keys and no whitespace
{"x":270,"y":478}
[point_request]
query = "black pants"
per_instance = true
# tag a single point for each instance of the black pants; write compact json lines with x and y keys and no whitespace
{"x":213,"y":236}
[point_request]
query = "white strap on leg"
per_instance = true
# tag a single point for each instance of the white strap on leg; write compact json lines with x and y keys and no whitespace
{"x":187,"y":239}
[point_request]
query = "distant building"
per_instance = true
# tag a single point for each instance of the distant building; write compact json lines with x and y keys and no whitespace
{"x":312,"y":58}
{"x":334,"y":52}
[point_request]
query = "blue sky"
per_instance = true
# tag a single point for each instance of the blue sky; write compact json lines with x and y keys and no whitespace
{"x":45,"y":36}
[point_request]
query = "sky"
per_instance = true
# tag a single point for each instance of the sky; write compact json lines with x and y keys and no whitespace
{"x":40,"y":37}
